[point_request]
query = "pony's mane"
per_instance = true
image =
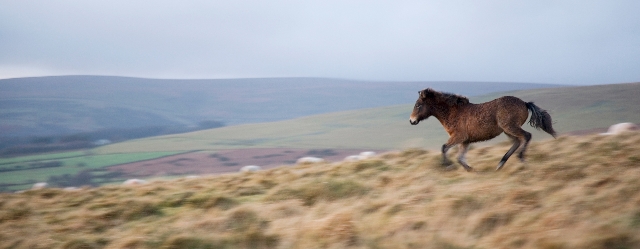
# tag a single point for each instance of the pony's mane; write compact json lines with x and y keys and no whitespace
{"x":452,"y":99}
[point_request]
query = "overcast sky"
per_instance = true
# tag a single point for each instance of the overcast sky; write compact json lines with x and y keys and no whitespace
{"x":567,"y":42}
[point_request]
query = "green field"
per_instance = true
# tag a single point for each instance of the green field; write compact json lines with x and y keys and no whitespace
{"x":572,"y":108}
{"x":22,"y":172}
{"x":42,"y":157}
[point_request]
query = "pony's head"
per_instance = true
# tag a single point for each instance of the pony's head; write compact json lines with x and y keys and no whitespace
{"x":429,"y":100}
{"x":423,"y":107}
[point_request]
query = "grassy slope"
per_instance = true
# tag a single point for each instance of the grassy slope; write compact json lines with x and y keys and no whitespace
{"x":574,"y":192}
{"x":572,"y":108}
{"x":369,"y":128}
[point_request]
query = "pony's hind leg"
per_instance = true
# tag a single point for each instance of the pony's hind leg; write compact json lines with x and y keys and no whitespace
{"x":514,"y":147}
{"x":519,"y":137}
{"x":464,"y":147}
{"x":527,"y":138}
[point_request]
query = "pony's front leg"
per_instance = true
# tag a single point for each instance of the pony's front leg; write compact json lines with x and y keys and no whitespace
{"x":453,"y":141}
{"x":445,"y":160}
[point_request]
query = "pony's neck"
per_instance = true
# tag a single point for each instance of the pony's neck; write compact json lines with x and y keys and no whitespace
{"x":444,"y":115}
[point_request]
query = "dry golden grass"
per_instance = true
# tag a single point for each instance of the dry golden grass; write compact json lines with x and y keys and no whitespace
{"x":574,"y":192}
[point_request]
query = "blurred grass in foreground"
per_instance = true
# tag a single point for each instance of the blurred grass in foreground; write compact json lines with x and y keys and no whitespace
{"x":574,"y":192}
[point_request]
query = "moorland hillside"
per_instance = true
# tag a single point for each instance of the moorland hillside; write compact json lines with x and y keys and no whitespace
{"x":571,"y":108}
{"x":573,"y":192}
{"x":583,"y":110}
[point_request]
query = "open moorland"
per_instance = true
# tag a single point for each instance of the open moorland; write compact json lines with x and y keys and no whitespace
{"x":575,"y":110}
{"x":61,"y":113}
{"x":573,"y":192}
{"x":572,"y":109}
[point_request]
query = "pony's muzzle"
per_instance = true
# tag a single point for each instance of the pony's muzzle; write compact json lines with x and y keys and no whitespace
{"x":414,"y":121}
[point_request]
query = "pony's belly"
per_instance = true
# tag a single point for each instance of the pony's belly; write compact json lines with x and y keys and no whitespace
{"x":480,"y":135}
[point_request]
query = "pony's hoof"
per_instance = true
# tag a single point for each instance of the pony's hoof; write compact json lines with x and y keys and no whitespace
{"x":469,"y":169}
{"x":447,"y":163}
{"x":499,"y":166}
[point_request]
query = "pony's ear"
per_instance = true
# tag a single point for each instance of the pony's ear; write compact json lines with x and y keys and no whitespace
{"x":427,"y":93}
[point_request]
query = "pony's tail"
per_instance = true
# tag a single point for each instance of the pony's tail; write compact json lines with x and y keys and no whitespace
{"x":540,"y":119}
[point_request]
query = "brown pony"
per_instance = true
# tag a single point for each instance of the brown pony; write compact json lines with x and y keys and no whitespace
{"x":469,"y":123}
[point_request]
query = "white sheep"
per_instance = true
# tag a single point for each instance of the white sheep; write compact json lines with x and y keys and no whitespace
{"x":353,"y":158}
{"x":362,"y":156}
{"x":367,"y":154}
{"x":40,"y":185}
{"x":250,"y":168}
{"x":309,"y":159}
{"x":133,"y":182}
{"x":620,"y":128}
{"x":71,"y":189}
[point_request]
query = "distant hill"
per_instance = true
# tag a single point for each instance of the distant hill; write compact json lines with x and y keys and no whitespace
{"x":572,"y":108}
{"x":42,"y":106}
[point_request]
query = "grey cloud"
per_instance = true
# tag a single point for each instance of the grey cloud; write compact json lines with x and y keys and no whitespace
{"x":572,"y":42}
